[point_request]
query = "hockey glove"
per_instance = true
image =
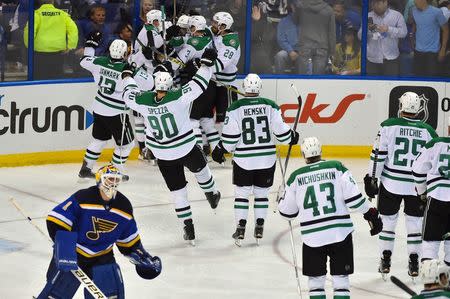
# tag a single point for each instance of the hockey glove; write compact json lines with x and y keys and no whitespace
{"x":376,"y":225}
{"x":294,"y":137}
{"x":370,"y":186}
{"x":218,"y":153}
{"x":172,"y":32}
{"x":65,"y":253}
{"x":209,"y":57}
{"x":128,"y":70}
{"x":147,"y":52}
{"x":142,"y":258}
{"x":93,"y":39}
{"x":165,"y":66}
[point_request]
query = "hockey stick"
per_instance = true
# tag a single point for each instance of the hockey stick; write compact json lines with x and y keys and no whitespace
{"x":402,"y":286}
{"x":163,"y":19}
{"x":286,"y":161}
{"x":294,"y":258}
{"x":375,"y":160}
{"x":88,"y":284}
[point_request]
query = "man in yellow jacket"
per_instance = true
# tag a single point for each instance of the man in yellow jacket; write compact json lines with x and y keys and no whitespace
{"x":54,"y":34}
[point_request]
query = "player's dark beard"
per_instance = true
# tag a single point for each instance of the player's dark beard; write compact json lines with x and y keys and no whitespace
{"x":215,"y":30}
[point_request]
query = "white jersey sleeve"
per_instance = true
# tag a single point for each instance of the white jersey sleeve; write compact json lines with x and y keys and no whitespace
{"x":195,"y":87}
{"x":231,"y":132}
{"x":144,"y":79}
{"x":87,"y":62}
{"x":432,"y":169}
{"x":353,"y":198}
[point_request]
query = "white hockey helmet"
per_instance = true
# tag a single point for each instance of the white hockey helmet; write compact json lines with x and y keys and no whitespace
{"x":223,"y":18}
{"x":163,"y":81}
{"x":183,"y":21}
{"x":252,"y":84}
{"x":311,"y":147}
{"x":108,"y":179}
{"x":154,"y":15}
{"x":199,"y":22}
{"x":118,"y":49}
{"x":431,"y":271}
{"x":409,"y":103}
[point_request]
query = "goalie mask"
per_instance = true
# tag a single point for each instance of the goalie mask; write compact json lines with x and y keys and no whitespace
{"x":108,"y":179}
{"x":409,"y":103}
{"x":431,"y":272}
{"x":311,"y":147}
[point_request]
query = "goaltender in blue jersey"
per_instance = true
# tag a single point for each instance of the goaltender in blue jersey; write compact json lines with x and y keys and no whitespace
{"x":85,"y":228}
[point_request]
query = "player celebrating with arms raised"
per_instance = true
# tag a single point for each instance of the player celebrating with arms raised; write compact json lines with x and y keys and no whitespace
{"x":170,"y":135}
{"x":84,"y":229}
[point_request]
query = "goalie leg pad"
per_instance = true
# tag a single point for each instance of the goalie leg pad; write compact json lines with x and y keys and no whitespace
{"x":316,"y":285}
{"x":108,"y":278}
{"x":60,"y":284}
{"x":387,"y":235}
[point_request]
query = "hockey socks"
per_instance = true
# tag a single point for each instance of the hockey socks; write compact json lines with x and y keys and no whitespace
{"x":240,"y":209}
{"x":387,"y":235}
{"x":261,"y":205}
{"x":93,"y":152}
{"x":120,"y":155}
{"x":182,"y":207}
{"x":139,"y":128}
{"x":414,"y":237}
{"x":205,"y":180}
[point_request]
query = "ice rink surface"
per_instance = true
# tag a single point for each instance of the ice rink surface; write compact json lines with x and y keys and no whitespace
{"x":214,"y":268}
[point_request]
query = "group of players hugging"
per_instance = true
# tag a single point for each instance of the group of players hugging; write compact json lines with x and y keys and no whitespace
{"x":179,"y":82}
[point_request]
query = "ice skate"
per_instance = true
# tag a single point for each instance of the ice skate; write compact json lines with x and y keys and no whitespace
{"x":213,"y":199}
{"x":259,"y":230}
{"x":86,"y":172}
{"x":189,"y":232}
{"x":385,"y":264}
{"x":238,"y":235}
{"x":413,"y":266}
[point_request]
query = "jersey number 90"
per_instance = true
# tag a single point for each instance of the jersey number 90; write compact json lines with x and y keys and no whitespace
{"x":164,"y":126}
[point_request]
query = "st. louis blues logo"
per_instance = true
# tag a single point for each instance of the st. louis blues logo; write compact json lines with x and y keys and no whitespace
{"x":100,"y":226}
{"x":423,"y":113}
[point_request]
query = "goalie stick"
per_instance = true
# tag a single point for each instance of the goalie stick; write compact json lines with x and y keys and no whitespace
{"x":402,"y":286}
{"x":88,"y":284}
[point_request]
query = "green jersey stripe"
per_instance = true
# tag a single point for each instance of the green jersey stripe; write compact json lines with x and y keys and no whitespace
{"x":201,"y":79}
{"x":171,"y":146}
{"x":229,"y":142}
{"x":438,"y":185}
{"x":326,"y":227}
{"x":121,"y":108}
{"x":396,"y":178}
{"x":255,"y":154}
{"x":241,"y":207}
{"x":358,"y":204}
{"x":386,"y":238}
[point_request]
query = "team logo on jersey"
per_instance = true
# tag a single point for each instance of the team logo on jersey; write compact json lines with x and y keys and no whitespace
{"x":429,"y":103}
{"x":99,"y":226}
{"x":232,"y":42}
{"x":195,"y":41}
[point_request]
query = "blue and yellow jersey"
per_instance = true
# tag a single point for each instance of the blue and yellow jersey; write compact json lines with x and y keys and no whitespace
{"x":98,"y":226}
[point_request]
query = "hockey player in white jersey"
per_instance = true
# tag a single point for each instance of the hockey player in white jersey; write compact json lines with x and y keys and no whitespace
{"x":171,"y":138}
{"x":400,"y":141}
{"x":148,"y":39}
{"x":109,"y":110}
{"x":247,"y":132}
{"x":431,"y":172}
{"x":435,"y":277}
{"x":321,"y":195}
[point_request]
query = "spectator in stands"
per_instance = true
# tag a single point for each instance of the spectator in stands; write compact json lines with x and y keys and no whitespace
{"x":96,"y":22}
{"x":347,"y":60}
{"x":345,"y":18}
{"x":260,"y":59}
{"x":287,"y":37}
{"x":146,"y":6}
{"x":54,"y":34}
{"x":406,"y":44}
{"x":318,"y":35}
{"x":429,"y":21}
{"x":444,"y":5}
{"x":124,"y":32}
{"x":386,"y":27}
{"x":266,"y":15}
